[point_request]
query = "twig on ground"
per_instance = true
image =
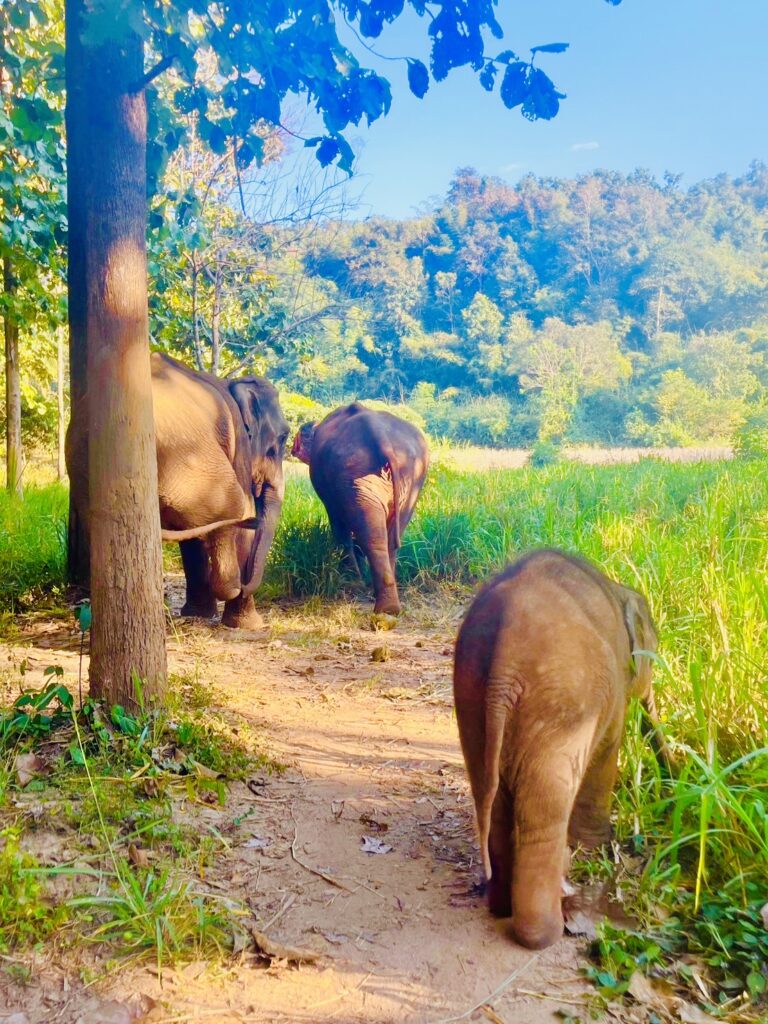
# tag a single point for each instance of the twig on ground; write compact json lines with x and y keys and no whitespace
{"x":288,"y":902}
{"x":492,"y":995}
{"x":312,"y":871}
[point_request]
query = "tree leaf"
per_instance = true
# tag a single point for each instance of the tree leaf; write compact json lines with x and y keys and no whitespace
{"x":551,"y":48}
{"x":418,"y":78}
{"x":514,"y":84}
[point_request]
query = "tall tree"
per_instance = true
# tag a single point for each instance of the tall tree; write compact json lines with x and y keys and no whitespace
{"x":263,"y":54}
{"x":31,"y":189}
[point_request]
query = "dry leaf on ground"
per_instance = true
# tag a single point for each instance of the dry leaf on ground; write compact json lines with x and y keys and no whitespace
{"x":277,"y":951}
{"x":373,"y":845}
{"x":27,"y":767}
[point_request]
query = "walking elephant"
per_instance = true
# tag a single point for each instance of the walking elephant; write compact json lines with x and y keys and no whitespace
{"x":368,"y":468}
{"x":220,"y":446}
{"x":546,"y":659}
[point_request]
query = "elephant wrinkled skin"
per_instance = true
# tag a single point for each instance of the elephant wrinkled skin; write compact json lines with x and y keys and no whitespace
{"x":220,"y":446}
{"x":546,"y":660}
{"x":368,"y":468}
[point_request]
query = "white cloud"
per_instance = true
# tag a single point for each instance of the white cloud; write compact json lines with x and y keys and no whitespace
{"x":578,"y":147}
{"x":508,"y":168}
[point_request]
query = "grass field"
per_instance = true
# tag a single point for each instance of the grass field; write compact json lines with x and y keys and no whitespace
{"x":694,"y":538}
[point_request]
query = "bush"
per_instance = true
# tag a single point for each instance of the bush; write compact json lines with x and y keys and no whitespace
{"x":751,"y":439}
{"x":544,"y":453}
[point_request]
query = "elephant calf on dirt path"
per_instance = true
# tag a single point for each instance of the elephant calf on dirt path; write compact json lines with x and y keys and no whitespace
{"x":220,"y":447}
{"x":368,"y":468}
{"x":546,"y":660}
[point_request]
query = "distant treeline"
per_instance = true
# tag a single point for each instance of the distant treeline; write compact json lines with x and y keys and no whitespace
{"x":611,"y":308}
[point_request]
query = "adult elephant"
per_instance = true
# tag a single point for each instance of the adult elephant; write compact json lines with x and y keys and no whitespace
{"x":220,"y":447}
{"x":368,"y":468}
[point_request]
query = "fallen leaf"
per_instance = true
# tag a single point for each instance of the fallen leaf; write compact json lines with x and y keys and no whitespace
{"x":377,"y":826}
{"x":652,"y":992}
{"x":580,"y":923}
{"x":27,"y":767}
{"x":336,"y":938}
{"x":272,"y":950}
{"x":138,"y":857}
{"x":98,"y":1011}
{"x":690,"y":1014}
{"x":337,"y":808}
{"x":256,"y":843}
{"x":373,"y":845}
{"x":204,"y":771}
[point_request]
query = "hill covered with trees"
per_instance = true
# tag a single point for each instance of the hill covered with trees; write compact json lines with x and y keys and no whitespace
{"x":609,"y":308}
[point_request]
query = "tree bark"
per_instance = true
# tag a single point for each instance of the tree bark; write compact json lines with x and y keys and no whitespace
{"x":61,"y":469}
{"x":216,"y":322}
{"x":76,"y":118}
{"x":128,"y":631}
{"x":14,"y":459}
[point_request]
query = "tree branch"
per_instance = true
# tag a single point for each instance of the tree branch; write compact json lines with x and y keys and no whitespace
{"x":154,"y":73}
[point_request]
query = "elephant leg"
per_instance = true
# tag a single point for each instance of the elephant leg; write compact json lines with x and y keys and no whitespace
{"x":226,"y":582}
{"x":200,"y":602}
{"x":240,"y":613}
{"x":500,"y":852}
{"x":545,"y":789}
{"x":590,"y":822}
{"x":370,"y":530}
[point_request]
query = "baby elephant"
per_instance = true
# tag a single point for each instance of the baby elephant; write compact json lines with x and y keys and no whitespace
{"x":546,"y":660}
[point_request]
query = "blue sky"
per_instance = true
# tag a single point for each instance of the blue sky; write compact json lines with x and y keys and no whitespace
{"x":679,"y":85}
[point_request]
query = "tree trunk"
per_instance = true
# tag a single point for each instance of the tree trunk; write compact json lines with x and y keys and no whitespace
{"x":216,"y":322}
{"x":61,"y":469}
{"x":196,"y":317}
{"x":14,"y":461}
{"x":76,"y":115}
{"x":128,"y":631}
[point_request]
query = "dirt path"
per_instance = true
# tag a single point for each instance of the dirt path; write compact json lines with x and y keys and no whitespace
{"x":372,"y":751}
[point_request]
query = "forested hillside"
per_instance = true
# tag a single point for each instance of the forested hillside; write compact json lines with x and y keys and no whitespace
{"x":609,"y":308}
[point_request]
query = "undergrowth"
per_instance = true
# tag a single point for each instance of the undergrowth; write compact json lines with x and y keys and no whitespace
{"x":112,"y":777}
{"x":692,"y":866}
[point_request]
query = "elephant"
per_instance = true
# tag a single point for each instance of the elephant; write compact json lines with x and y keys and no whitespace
{"x":220,"y":446}
{"x":368,"y":468}
{"x":546,"y":659}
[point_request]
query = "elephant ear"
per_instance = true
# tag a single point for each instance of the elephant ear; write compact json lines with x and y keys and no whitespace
{"x":247,"y":398}
{"x":642,"y":637}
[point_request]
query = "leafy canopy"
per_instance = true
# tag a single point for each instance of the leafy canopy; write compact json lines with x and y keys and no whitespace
{"x":266,"y":52}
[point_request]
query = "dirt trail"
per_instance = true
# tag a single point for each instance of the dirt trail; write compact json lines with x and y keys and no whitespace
{"x":372,"y":751}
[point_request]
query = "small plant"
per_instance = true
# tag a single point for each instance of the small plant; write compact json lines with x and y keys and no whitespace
{"x":147,"y":911}
{"x":35,"y":714}
{"x":544,"y":453}
{"x":26,"y":916}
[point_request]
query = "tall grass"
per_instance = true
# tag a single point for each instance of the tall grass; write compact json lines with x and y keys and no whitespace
{"x":694,"y":539}
{"x":33,"y":539}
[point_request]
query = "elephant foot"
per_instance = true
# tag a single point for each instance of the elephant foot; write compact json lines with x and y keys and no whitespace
{"x":590,"y":837}
{"x":201,"y":609}
{"x":388,"y":604}
{"x":538,"y":933}
{"x":241,"y":614}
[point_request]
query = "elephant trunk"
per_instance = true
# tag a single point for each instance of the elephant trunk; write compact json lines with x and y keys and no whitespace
{"x":268,"y":506}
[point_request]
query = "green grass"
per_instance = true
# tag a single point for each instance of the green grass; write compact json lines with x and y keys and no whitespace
{"x":33,"y":537}
{"x":694,"y":538}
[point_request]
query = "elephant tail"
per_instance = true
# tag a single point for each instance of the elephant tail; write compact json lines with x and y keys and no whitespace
{"x":505,"y":686}
{"x":651,"y":727}
{"x":201,"y":531}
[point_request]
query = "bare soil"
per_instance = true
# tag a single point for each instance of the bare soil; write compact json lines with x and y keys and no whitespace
{"x":372,"y":760}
